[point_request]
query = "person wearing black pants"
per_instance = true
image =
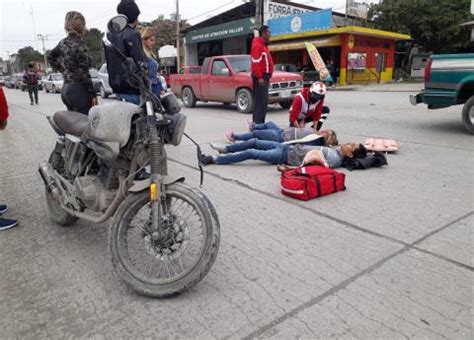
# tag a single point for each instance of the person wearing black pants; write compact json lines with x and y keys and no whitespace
{"x":76,"y":97}
{"x":71,"y":58}
{"x":260,"y":98}
{"x":262,"y":71}
{"x":30,"y":78}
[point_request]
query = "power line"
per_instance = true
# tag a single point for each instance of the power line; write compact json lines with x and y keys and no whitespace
{"x":208,"y":12}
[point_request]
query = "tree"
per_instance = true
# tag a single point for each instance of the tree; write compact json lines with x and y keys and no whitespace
{"x":93,"y":39}
{"x":433,"y":24}
{"x":165,"y":29}
{"x":28,"y":54}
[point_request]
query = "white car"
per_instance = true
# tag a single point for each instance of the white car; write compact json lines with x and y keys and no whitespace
{"x":105,"y":89}
{"x":54,"y":83}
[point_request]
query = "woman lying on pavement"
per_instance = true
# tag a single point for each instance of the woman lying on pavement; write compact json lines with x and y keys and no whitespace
{"x":273,"y":133}
{"x":280,"y":153}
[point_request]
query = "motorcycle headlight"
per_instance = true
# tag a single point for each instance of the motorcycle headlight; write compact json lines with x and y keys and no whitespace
{"x":175,"y":131}
{"x":170,"y":103}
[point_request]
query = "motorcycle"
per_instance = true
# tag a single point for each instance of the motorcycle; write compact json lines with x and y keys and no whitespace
{"x":164,"y":235}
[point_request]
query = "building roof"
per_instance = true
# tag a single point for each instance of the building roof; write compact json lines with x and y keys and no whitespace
{"x":347,"y":29}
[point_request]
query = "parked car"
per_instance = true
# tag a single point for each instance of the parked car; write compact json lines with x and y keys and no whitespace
{"x":103,"y":76}
{"x":309,"y":76}
{"x":227,"y":79}
{"x":54,"y":83}
{"x":95,"y":79}
{"x":2,"y":80}
{"x":449,"y":80}
{"x":7,"y":82}
{"x":18,"y":80}
{"x":11,"y":81}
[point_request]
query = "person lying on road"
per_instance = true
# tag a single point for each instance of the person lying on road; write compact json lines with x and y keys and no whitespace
{"x":280,"y":153}
{"x":273,"y":133}
{"x":308,"y":107}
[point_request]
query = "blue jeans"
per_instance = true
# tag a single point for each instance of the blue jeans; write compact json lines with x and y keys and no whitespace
{"x":266,"y":131}
{"x":265,"y":151}
{"x":130,"y":98}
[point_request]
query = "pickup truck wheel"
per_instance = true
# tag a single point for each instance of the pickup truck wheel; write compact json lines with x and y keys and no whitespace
{"x":286,"y":104}
{"x":244,"y":100}
{"x":468,"y":115}
{"x":189,"y":99}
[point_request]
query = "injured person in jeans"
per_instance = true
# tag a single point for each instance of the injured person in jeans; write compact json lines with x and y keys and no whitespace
{"x":280,"y":153}
{"x":290,"y":135}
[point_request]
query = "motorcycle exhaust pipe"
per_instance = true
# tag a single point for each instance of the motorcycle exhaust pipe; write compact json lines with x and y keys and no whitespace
{"x":47,"y":179}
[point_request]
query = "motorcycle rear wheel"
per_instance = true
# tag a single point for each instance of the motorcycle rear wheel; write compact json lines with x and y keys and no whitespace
{"x":174,"y":264}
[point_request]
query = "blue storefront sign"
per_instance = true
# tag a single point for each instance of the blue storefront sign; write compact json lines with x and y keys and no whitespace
{"x":305,"y":22}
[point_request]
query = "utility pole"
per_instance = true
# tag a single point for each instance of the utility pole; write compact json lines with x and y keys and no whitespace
{"x":258,"y":13}
{"x":43,"y":38}
{"x":178,"y":61}
{"x":347,"y":9}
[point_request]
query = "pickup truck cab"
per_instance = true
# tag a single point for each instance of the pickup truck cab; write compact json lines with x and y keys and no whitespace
{"x":449,"y":80}
{"x":227,"y":79}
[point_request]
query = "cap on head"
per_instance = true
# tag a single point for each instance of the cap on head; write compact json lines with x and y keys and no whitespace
{"x":130,"y":9}
{"x":318,"y":88}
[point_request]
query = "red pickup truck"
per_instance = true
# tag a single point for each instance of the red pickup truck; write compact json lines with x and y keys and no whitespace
{"x":227,"y":79}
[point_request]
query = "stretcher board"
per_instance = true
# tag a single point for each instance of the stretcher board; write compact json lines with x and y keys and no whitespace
{"x":318,"y":62}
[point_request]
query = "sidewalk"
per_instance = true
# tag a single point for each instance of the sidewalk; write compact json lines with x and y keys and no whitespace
{"x":388,"y":87}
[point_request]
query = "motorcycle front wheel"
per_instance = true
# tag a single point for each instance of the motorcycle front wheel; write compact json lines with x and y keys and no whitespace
{"x":177,"y":259}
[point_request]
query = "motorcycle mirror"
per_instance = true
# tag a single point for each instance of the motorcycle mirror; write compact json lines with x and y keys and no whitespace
{"x":117,"y":24}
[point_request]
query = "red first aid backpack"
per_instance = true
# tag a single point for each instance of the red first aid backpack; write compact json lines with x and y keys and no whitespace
{"x":311,"y":181}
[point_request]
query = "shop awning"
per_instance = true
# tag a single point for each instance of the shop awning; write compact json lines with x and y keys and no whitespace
{"x":341,"y":30}
{"x":292,"y":46}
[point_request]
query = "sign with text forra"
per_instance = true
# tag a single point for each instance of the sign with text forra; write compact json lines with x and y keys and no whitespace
{"x":275,"y":10}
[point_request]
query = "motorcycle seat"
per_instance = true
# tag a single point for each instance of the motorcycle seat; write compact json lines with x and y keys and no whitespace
{"x":71,"y":122}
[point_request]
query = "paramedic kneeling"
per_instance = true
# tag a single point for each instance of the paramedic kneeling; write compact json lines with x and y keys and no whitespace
{"x":308,"y":106}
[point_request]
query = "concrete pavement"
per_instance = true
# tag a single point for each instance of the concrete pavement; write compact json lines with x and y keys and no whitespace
{"x":392,"y":257}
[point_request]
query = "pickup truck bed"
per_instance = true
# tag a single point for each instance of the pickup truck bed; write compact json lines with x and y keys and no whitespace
{"x":449,"y":80}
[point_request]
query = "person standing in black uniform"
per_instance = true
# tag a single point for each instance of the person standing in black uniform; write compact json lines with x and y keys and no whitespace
{"x":71,"y":58}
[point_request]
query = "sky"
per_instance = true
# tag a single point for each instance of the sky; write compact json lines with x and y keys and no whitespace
{"x":19,"y":27}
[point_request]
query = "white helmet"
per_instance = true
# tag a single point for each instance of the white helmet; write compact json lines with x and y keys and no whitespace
{"x":318,"y":88}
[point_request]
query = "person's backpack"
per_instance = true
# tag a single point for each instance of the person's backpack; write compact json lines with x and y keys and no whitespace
{"x":312,"y":181}
{"x":31,"y":78}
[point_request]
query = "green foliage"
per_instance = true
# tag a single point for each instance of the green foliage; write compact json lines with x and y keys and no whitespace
{"x":28,"y":54}
{"x":93,"y":39}
{"x":433,"y":24}
{"x":166,"y":30}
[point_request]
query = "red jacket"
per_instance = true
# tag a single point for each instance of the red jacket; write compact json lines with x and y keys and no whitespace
{"x":262,"y":61}
{"x":302,"y":109}
{"x":3,"y":106}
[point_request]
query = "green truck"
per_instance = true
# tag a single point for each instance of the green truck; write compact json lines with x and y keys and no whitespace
{"x":449,"y":80}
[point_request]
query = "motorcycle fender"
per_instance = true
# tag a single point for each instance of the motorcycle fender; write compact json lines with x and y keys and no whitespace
{"x":139,"y":186}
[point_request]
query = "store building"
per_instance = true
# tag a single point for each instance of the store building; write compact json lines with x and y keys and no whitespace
{"x":357,"y":54}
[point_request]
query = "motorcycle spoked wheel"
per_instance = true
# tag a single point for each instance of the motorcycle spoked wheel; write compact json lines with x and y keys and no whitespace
{"x":181,"y":258}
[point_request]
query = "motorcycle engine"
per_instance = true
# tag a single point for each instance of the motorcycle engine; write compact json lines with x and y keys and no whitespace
{"x":74,"y":153}
{"x":92,"y":193}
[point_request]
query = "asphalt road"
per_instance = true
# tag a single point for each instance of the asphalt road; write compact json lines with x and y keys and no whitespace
{"x":392,"y":257}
